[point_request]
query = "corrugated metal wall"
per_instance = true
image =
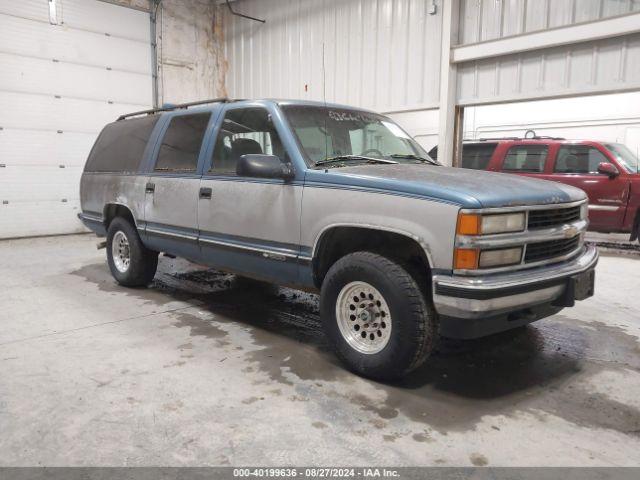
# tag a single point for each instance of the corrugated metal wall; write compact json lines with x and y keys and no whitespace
{"x":602,"y":66}
{"x":380,"y":54}
{"x":482,"y":20}
{"x":598,"y":66}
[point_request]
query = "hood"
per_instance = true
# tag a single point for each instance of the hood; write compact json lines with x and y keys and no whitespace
{"x":467,"y":188}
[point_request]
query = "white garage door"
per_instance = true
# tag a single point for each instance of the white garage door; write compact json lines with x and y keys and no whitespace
{"x":64,"y":74}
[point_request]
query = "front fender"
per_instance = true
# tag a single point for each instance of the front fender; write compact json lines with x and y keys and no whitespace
{"x":430,"y":223}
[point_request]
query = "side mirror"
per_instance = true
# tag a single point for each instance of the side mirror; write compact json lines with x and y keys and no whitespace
{"x":608,"y":169}
{"x":258,"y":165}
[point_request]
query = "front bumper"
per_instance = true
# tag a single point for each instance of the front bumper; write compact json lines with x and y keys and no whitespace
{"x":493,"y":295}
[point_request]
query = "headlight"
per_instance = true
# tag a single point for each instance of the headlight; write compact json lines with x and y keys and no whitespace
{"x":473,"y":258}
{"x":584,"y":211}
{"x":500,"y":258}
{"x":474,"y":224}
{"x":510,"y":222}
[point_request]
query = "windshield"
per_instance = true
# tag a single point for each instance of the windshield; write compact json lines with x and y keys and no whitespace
{"x":624,"y":156}
{"x":336,"y":137}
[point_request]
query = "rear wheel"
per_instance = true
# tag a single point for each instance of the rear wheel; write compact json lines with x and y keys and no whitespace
{"x":130,"y":262}
{"x":376,"y":316}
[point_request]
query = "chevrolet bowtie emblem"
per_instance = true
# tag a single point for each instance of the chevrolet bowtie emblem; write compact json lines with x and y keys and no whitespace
{"x":570,"y":232}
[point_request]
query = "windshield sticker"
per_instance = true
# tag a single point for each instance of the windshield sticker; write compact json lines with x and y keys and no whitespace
{"x":395,"y":129}
{"x":351,"y":116}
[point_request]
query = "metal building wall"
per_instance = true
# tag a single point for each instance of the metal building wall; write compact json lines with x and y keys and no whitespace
{"x":550,"y":68}
{"x":610,"y":65}
{"x":482,"y":20}
{"x":380,"y":54}
{"x":613,"y":118}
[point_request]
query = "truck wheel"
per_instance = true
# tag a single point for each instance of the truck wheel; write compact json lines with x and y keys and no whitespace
{"x":376,"y":316}
{"x":130,"y":262}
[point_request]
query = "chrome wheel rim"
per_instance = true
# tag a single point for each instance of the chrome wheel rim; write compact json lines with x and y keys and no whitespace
{"x":363,"y":317}
{"x":120,"y":252}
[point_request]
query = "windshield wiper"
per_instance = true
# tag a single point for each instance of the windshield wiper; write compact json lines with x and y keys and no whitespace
{"x":343,"y":158}
{"x":411,"y":156}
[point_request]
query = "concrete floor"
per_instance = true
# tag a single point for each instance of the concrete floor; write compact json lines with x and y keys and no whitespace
{"x":206,"y":369}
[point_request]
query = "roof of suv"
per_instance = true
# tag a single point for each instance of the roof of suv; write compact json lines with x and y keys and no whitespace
{"x":201,"y":103}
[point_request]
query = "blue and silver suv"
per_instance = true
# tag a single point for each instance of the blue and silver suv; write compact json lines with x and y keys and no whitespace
{"x":342,"y":201}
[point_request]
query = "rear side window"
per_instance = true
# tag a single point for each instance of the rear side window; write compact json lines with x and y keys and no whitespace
{"x":120,"y":146}
{"x":181,"y":143}
{"x":526,"y":158}
{"x":477,"y":156}
{"x":578,"y":159}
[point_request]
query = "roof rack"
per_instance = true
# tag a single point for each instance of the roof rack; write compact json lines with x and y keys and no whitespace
{"x":529,"y":135}
{"x":176,"y":107}
{"x":545,"y":137}
{"x":493,"y":139}
{"x":489,"y":139}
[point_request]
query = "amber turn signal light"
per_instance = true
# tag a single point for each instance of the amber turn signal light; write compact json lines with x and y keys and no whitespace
{"x":466,"y":258}
{"x":468,"y":224}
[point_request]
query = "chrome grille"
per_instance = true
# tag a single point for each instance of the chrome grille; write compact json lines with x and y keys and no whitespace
{"x":552,"y":217}
{"x":539,"y":251}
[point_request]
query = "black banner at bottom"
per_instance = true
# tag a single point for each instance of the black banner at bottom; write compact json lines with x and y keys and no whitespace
{"x":368,"y":473}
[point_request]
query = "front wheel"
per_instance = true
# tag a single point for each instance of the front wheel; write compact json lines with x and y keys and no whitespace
{"x":376,"y":316}
{"x":130,"y":262}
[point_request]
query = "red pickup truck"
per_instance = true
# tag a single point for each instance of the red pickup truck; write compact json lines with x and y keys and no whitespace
{"x":608,"y":172}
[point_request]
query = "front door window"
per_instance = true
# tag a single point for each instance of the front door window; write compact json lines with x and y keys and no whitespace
{"x":244,"y":131}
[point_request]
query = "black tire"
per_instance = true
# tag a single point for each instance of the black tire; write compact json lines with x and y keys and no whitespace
{"x":414,"y":326}
{"x":142,"y":261}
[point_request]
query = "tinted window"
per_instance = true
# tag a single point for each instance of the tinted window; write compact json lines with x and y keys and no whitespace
{"x":526,"y":158}
{"x":244,"y":131}
{"x":181,"y":143}
{"x":477,"y":156}
{"x":578,"y":159}
{"x":120,"y":146}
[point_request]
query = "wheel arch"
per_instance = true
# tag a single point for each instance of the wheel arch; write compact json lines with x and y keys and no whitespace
{"x":112,"y":210}
{"x":336,"y":240}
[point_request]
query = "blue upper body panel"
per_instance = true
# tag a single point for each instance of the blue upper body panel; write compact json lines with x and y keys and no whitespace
{"x":466,"y":188}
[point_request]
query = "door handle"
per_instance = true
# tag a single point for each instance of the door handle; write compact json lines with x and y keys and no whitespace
{"x":205,"y":192}
{"x":150,"y":187}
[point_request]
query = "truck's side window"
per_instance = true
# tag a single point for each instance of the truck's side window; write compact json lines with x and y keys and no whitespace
{"x":578,"y":159}
{"x":526,"y":158}
{"x":244,"y":131}
{"x":477,"y":156}
{"x":120,"y":146}
{"x":181,"y":143}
